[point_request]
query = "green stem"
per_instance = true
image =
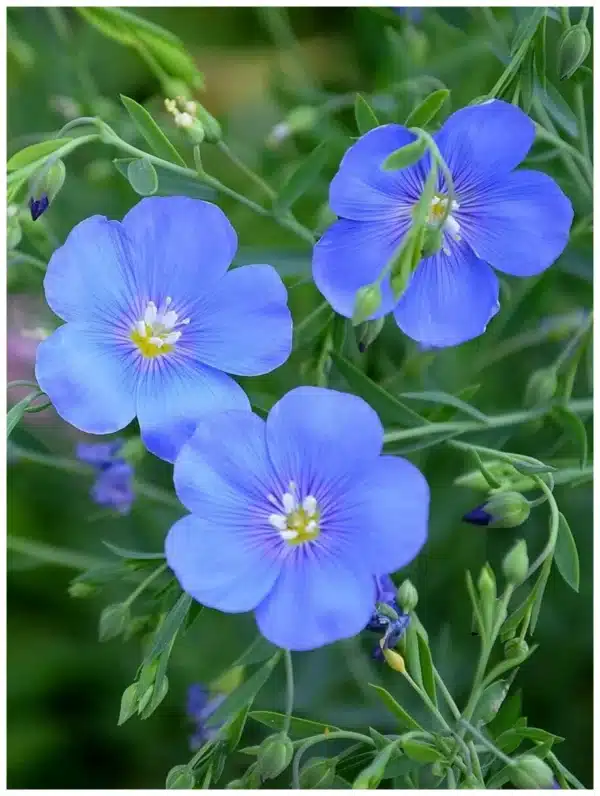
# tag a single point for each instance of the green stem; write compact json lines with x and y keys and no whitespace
{"x":564,"y":15}
{"x":48,"y":554}
{"x":447,"y":695}
{"x":554,"y":524}
{"x":245,"y":169}
{"x":475,"y":761}
{"x":332,"y":736}
{"x":28,"y":259}
{"x":565,"y":771}
{"x":584,"y":16}
{"x":144,"y":584}
{"x":582,"y":122}
{"x":487,"y":743}
{"x":289,"y":690}
{"x":582,"y":176}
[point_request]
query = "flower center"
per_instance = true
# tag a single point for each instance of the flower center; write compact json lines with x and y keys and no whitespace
{"x":296,"y":521}
{"x":437,"y":209}
{"x":156,"y":333}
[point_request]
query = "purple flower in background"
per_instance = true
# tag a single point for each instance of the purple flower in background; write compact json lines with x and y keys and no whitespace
{"x":413,"y":14}
{"x":113,"y":488}
{"x":295,"y":516}
{"x":200,"y":707}
{"x":155,"y":321}
{"x":515,"y":221}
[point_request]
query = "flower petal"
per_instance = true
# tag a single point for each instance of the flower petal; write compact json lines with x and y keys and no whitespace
{"x":224,"y":468}
{"x":483,"y":141}
{"x":520,"y":225}
{"x":362,"y":191}
{"x":90,"y":278}
{"x":89,"y":377}
{"x":449,"y":299}
{"x":384,"y":516}
{"x":352,"y":254}
{"x":220,"y":565}
{"x":183,"y":246}
{"x":316,"y":600}
{"x":245,"y":326}
{"x":317,"y":437}
{"x":174,"y":393}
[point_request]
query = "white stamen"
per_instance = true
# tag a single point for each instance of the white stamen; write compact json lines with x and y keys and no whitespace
{"x":278,"y":521}
{"x":157,"y":341}
{"x":309,"y":504}
{"x":169,"y":319}
{"x":289,"y":503}
{"x":184,"y":322}
{"x":287,"y":535}
{"x":151,"y":313}
{"x":171,"y":338}
{"x":168,"y":301}
{"x":312,"y":526}
{"x":141,"y":328}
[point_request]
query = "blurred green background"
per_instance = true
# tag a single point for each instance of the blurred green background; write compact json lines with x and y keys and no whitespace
{"x":64,"y":688}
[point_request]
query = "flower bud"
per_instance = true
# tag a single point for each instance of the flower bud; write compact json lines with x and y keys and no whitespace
{"x":113,"y":621}
{"x":366,"y":303}
{"x":501,"y":471}
{"x":394,"y":660}
{"x":407,"y":596}
{"x":516,"y":648}
{"x":274,"y":756}
{"x":487,"y":584}
{"x":516,"y":563}
{"x":44,"y":187}
{"x":368,"y":333}
{"x":573,"y":49}
{"x":502,"y":510}
{"x":541,"y":387}
{"x":317,"y":773}
{"x":79,"y":590}
{"x":530,"y":772}
{"x":180,"y":778}
{"x":38,"y":206}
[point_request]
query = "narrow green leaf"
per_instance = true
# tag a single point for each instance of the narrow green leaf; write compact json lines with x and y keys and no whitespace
{"x":390,"y":410}
{"x":490,"y":702}
{"x":405,"y":156}
{"x":530,"y":468}
{"x":446,"y":399}
{"x":113,"y":621}
{"x":244,"y":694}
{"x":427,"y":668}
{"x":172,"y":184}
{"x":257,"y":652}
{"x":148,"y":128}
{"x":302,"y":178}
{"x":236,"y":728}
{"x":169,"y":627}
{"x":180,"y":778}
{"x":364,"y":115}
{"x":566,"y":557}
{"x":557,"y":108}
{"x":421,"y":751}
{"x":537,"y":735}
{"x":312,"y":325}
{"x":575,"y":428}
{"x":35,"y":152}
{"x":133,"y":554}
{"x":299,"y":728}
{"x":380,"y":740}
{"x":507,"y":716}
{"x":128,"y":704}
{"x":142,"y":177}
{"x":15,"y":414}
{"x":428,"y":109}
{"x":527,"y":29}
{"x":405,"y":719}
{"x":527,"y":80}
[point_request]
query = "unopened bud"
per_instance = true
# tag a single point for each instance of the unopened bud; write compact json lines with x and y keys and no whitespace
{"x":212,"y":128}
{"x":516,"y":563}
{"x":274,"y":756}
{"x":501,"y":471}
{"x":367,"y":302}
{"x":44,"y":187}
{"x":394,"y":660}
{"x":516,"y":648}
{"x":487,"y":584}
{"x":541,"y":387}
{"x":573,"y":49}
{"x":530,"y":772}
{"x":39,"y":206}
{"x":502,"y":510}
{"x":180,"y":778}
{"x":317,"y":773}
{"x":407,"y":596}
{"x":368,"y":333}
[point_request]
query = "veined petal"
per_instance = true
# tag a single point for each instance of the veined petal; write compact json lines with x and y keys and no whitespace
{"x":89,"y":376}
{"x":221,"y":565}
{"x":316,"y":600}
{"x":362,"y":191}
{"x":318,"y":437}
{"x":450,"y":298}
{"x":244,"y":325}
{"x":352,"y":254}
{"x":484,"y":141}
{"x":174,"y":393}
{"x":520,"y":224}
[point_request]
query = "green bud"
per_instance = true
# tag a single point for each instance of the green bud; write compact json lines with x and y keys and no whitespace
{"x":80,"y":590}
{"x":366,"y":303}
{"x":54,"y":179}
{"x":501,"y":471}
{"x":144,"y":700}
{"x":113,"y":621}
{"x":516,"y":648}
{"x":128,"y":703}
{"x":235,"y":784}
{"x":530,"y":772}
{"x":274,"y":756}
{"x":507,"y":510}
{"x":317,"y":773}
{"x":470,"y":783}
{"x":516,"y":563}
{"x":180,"y":778}
{"x":541,"y":387}
{"x":407,"y":596}
{"x":573,"y":49}
{"x":211,"y":127}
{"x":487,"y":583}
{"x":368,"y":333}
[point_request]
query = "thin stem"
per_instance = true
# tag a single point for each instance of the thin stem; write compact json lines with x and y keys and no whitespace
{"x":289,"y":690}
{"x":564,"y":15}
{"x":447,"y":695}
{"x":565,"y":771}
{"x":487,"y":743}
{"x":582,"y":122}
{"x":554,"y":524}
{"x":475,"y":761}
{"x":48,"y":554}
{"x":568,"y":154}
{"x":332,"y":736}
{"x":144,"y":584}
{"x":425,"y":697}
{"x":584,"y":16}
{"x":245,"y":169}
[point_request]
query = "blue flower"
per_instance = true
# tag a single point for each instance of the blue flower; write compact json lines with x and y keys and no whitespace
{"x":200,"y":707}
{"x":154,"y":318}
{"x":38,"y":206}
{"x":113,"y":487}
{"x":380,"y":622}
{"x":293,"y":517}
{"x":515,"y":221}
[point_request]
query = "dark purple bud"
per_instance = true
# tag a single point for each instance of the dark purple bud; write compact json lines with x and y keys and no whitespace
{"x":478,"y":516}
{"x":38,"y":206}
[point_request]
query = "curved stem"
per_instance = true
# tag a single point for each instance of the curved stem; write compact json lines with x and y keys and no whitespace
{"x":289,"y":690}
{"x":144,"y":584}
{"x":554,"y":524}
{"x":245,"y":169}
{"x":332,"y":736}
{"x":48,"y":554}
{"x":582,"y":122}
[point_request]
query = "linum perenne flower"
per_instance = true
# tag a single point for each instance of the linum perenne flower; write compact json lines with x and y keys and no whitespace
{"x":113,"y":487}
{"x":515,"y":221}
{"x":154,"y":318}
{"x":295,"y":516}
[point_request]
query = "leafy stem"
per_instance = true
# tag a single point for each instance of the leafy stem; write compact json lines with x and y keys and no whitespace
{"x":315,"y":739}
{"x":289,"y":690}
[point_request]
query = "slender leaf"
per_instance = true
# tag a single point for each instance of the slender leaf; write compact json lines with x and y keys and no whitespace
{"x":148,"y":128}
{"x":302,"y":178}
{"x":170,"y":183}
{"x":169,"y":627}
{"x":299,"y":728}
{"x":428,"y":109}
{"x":365,"y":115}
{"x":445,"y":399}
{"x":490,"y":702}
{"x":15,"y":414}
{"x":574,"y":427}
{"x":566,"y":557}
{"x":406,"y":156}
{"x":421,"y":751}
{"x":244,"y":694}
{"x":557,"y":108}
{"x":236,"y":728}
{"x":312,"y":325}
{"x":257,"y":652}
{"x":531,"y":468}
{"x":527,"y":29}
{"x":507,"y":716}
{"x":35,"y":152}
{"x":133,"y":554}
{"x":398,"y":711}
{"x":427,"y":668}
{"x":142,"y":177}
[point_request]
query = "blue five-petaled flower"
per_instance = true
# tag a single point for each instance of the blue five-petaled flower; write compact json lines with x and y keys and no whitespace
{"x":515,"y":221}
{"x":155,"y":321}
{"x":293,"y":517}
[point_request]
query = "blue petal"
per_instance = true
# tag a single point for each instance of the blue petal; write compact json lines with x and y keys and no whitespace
{"x":220,"y":564}
{"x":483,"y":141}
{"x":224,"y":471}
{"x":352,"y":254}
{"x":521,"y":223}
{"x":316,"y":600}
{"x":90,"y":278}
{"x":89,"y":377}
{"x":183,"y":246}
{"x":174,"y":394}
{"x":449,"y":300}
{"x":384,"y":515}
{"x":317,"y":437}
{"x":362,"y":191}
{"x":245,"y":326}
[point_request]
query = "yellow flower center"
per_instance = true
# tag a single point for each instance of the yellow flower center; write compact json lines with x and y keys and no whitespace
{"x":297,"y":522}
{"x":156,"y":333}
